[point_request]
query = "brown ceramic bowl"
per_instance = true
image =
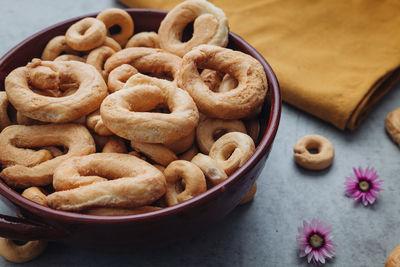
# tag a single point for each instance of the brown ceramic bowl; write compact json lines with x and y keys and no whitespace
{"x":149,"y":229}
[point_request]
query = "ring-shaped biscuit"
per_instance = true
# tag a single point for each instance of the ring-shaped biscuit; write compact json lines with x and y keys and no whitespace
{"x":98,"y":56}
{"x":86,"y":99}
{"x":24,"y":120}
{"x":111,"y":43}
{"x":115,"y":144}
{"x":211,"y":78}
{"x":118,"y":77}
{"x":21,"y":253}
{"x":393,"y":260}
{"x":209,"y":130}
{"x":392,"y":125}
{"x":86,"y":34}
{"x":232,"y":150}
{"x":118,"y":180}
{"x":210,"y":26}
{"x":184,"y":181}
{"x":304,"y":156}
{"x":68,"y":57}
{"x":55,"y":152}
{"x":217,"y":82}
{"x":144,"y":39}
{"x":146,"y":60}
{"x":228,"y":83}
{"x":55,"y":47}
{"x":210,"y":168}
{"x":125,"y":112}
{"x":35,"y":194}
{"x":4,"y":119}
{"x":233,"y":104}
{"x":159,"y":153}
{"x":23,"y":172}
{"x":94,"y":122}
{"x":189,"y":154}
{"x":181,"y":145}
{"x":253,"y":128}
{"x":116,"y":17}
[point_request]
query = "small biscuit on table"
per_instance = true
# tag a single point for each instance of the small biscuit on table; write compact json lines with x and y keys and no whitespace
{"x":392,"y":124}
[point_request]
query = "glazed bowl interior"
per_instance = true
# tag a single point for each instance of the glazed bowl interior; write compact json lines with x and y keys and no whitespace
{"x":145,"y":20}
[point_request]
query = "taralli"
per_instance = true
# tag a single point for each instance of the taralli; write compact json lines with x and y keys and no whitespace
{"x":24,"y":120}
{"x":233,"y":104}
{"x":115,"y":144}
{"x":4,"y":120}
{"x":146,"y":60}
{"x":42,"y":77}
{"x":55,"y":152}
{"x":70,"y":58}
{"x":111,"y":43}
{"x":188,"y":155}
{"x":35,"y":194}
{"x":94,"y":122}
{"x":184,"y":181}
{"x":217,"y":82}
{"x":21,"y":253}
{"x":321,"y":159}
{"x":119,"y":211}
{"x":211,"y":78}
{"x":98,"y":56}
{"x":209,"y":167}
{"x":253,"y":128}
{"x":141,"y":156}
{"x":118,"y":77}
{"x":250,"y":195}
{"x":209,"y":130}
{"x":157,"y":152}
{"x":144,"y":39}
{"x":181,"y":145}
{"x":392,"y":124}
{"x":117,"y":124}
{"x":55,"y":47}
{"x":394,"y":258}
{"x":39,"y":172}
{"x":210,"y":26}
{"x":132,"y":182}
{"x":228,"y":83}
{"x":86,"y":99}
{"x":232,"y":150}
{"x":86,"y":34}
{"x":159,"y":167}
{"x":119,"y":19}
{"x":100,"y":141}
{"x":124,"y":112}
{"x":11,"y":153}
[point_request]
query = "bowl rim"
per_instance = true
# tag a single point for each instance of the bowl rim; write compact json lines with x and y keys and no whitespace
{"x":263,"y":147}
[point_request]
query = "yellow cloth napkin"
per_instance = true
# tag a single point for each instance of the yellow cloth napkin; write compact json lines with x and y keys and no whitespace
{"x":333,"y":58}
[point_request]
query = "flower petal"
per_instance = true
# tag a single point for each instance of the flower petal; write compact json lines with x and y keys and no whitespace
{"x":357,"y":195}
{"x":370,"y":198}
{"x":309,"y":257}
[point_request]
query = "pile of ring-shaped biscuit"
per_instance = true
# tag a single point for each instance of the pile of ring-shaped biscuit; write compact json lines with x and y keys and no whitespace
{"x":103,"y":130}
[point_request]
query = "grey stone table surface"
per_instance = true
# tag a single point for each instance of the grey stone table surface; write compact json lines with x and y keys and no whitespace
{"x":262,"y":233}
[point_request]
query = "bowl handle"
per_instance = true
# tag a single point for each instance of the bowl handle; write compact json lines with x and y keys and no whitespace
{"x":26,"y":230}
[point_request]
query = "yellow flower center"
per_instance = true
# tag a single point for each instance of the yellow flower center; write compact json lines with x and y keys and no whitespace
{"x":364,"y":185}
{"x":316,"y":241}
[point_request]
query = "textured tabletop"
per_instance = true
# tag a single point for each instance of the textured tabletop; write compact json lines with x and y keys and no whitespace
{"x":262,"y":233}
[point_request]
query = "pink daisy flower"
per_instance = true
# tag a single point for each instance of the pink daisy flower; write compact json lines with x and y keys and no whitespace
{"x":315,"y":241}
{"x":364,"y":185}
